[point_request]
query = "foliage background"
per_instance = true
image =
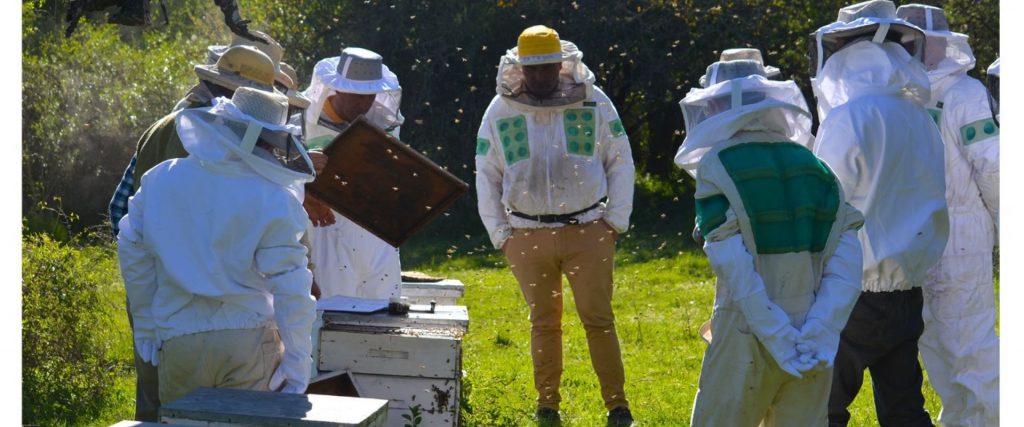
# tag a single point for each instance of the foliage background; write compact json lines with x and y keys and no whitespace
{"x":87,"y":98}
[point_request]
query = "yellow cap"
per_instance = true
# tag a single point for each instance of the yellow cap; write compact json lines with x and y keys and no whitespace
{"x":539,"y":45}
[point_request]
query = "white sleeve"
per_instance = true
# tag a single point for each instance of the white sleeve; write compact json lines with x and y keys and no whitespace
{"x":618,"y":166}
{"x":138,"y":267}
{"x":978,"y":138}
{"x":490,"y":170}
{"x":281,"y":259}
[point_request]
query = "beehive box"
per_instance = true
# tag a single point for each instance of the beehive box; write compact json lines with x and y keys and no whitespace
{"x":413,"y":361}
{"x":444,"y":292}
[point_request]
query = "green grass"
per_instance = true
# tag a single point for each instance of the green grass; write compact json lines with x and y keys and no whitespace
{"x":664,"y":291}
{"x":660,"y":301}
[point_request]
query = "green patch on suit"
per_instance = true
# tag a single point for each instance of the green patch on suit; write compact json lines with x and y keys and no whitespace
{"x":710,"y":213}
{"x":515,"y":140}
{"x":616,"y":127}
{"x":977,"y":131}
{"x":790,"y":196}
{"x":579,"y":130}
{"x":482,"y":146}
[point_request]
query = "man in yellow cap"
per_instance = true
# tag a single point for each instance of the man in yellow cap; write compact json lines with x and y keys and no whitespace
{"x":555,"y":188}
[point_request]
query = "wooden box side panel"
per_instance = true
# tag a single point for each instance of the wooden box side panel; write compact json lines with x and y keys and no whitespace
{"x":389,"y":354}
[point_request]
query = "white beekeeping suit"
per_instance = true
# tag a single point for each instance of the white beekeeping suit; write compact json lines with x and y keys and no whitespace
{"x":782,"y":243}
{"x":349,"y":260}
{"x":210,"y":245}
{"x":959,"y":346}
{"x":589,"y":158}
{"x":884,"y":148}
{"x":907,"y":217}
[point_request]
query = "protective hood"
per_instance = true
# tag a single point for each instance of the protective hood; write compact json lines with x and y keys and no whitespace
{"x":222,"y":137}
{"x":946,"y":53}
{"x":751,"y":103}
{"x":869,"y":68}
{"x":576,"y":81}
{"x":327,"y":80}
{"x":947,"y":57}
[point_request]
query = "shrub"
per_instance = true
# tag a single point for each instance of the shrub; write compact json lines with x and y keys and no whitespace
{"x":76,"y":348}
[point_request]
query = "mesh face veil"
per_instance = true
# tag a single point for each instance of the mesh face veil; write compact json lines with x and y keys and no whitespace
{"x":223,"y":132}
{"x":741,"y":99}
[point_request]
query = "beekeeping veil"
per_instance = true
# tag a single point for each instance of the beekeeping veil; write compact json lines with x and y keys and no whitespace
{"x":739,"y":97}
{"x":358,"y":71}
{"x":250,"y":127}
{"x":575,"y":80}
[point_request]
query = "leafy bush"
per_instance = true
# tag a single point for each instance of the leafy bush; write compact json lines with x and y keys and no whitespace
{"x":88,"y":98}
{"x":76,"y":349}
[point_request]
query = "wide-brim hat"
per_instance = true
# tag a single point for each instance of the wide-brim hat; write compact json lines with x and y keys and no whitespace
{"x":874,"y":19}
{"x":741,"y":96}
{"x":284,"y":74}
{"x":358,"y":71}
{"x":240,"y":66}
{"x":231,"y":128}
{"x":214,"y":52}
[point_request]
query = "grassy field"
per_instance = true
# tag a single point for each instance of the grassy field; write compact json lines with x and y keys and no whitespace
{"x":660,"y":301}
{"x":664,"y":291}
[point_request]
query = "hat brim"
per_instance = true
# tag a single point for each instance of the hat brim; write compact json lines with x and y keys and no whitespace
{"x":906,"y":35}
{"x":327,"y":71}
{"x":551,"y":58}
{"x":229,"y":80}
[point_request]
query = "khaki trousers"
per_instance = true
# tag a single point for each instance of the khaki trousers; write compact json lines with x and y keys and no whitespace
{"x":585,"y":255}
{"x":741,"y":384}
{"x":227,"y":358}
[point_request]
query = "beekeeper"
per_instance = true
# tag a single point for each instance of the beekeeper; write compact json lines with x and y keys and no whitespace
{"x":242,"y":63}
{"x":959,"y":346}
{"x":350,"y":260}
{"x":554,"y":178}
{"x":880,"y":142}
{"x":771,"y":72}
{"x":782,"y":242}
{"x":214,"y":271}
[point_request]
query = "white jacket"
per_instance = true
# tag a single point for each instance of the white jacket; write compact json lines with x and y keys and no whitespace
{"x":883,"y":147}
{"x":544,"y":160}
{"x":209,"y":243}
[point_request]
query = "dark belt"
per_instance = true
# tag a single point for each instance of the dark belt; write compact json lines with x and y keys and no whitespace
{"x":568,"y":219}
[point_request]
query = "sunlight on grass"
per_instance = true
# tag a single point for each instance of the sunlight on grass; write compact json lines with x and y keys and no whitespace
{"x":659,"y":304}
